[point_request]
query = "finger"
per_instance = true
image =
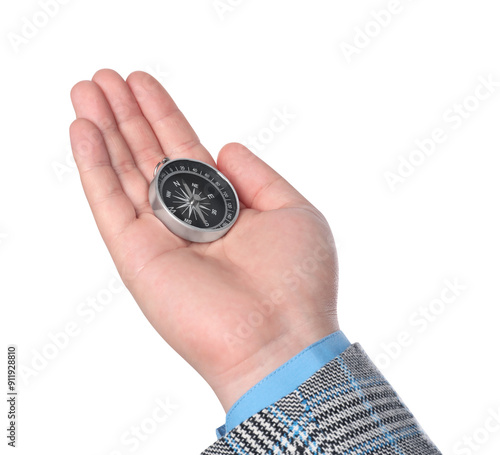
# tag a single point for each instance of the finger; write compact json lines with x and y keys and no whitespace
{"x":257,"y":184}
{"x":176,"y":136}
{"x":111,"y":207}
{"x":133,"y":126}
{"x":90,"y":103}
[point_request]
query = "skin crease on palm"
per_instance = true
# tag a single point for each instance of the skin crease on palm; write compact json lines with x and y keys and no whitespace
{"x":200,"y":296}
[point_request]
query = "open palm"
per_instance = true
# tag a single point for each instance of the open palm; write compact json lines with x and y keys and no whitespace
{"x":235,"y":308}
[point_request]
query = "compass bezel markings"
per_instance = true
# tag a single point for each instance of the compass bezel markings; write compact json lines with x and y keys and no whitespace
{"x":216,"y":181}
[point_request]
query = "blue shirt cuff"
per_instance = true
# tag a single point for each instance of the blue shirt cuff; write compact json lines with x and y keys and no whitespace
{"x":284,"y":379}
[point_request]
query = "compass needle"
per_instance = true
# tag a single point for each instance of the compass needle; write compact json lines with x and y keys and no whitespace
{"x":187,"y":189}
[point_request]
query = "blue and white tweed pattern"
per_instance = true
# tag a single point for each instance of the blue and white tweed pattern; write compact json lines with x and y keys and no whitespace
{"x":347,"y":407}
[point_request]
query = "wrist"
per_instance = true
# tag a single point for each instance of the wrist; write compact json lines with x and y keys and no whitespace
{"x":234,"y":383}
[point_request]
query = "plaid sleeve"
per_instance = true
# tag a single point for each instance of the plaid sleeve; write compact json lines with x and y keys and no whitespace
{"x":346,"y":407}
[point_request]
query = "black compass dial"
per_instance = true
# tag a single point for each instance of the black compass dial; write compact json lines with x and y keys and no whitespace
{"x":197,"y":194}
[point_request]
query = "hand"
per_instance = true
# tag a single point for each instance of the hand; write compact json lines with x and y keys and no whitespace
{"x":236,"y":308}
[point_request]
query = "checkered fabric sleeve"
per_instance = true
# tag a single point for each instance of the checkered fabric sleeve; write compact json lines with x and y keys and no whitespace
{"x":346,"y":407}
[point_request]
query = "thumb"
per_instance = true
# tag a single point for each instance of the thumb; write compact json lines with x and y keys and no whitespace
{"x":258,"y":185}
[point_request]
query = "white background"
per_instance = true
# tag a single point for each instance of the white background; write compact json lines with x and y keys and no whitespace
{"x":229,"y":70}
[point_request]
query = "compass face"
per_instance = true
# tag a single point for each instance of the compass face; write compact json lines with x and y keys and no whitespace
{"x":195,"y":198}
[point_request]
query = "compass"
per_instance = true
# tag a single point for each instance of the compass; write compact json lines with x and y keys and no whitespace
{"x":193,"y":199}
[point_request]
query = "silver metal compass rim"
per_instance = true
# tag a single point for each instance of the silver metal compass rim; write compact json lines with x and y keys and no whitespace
{"x":174,"y":224}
